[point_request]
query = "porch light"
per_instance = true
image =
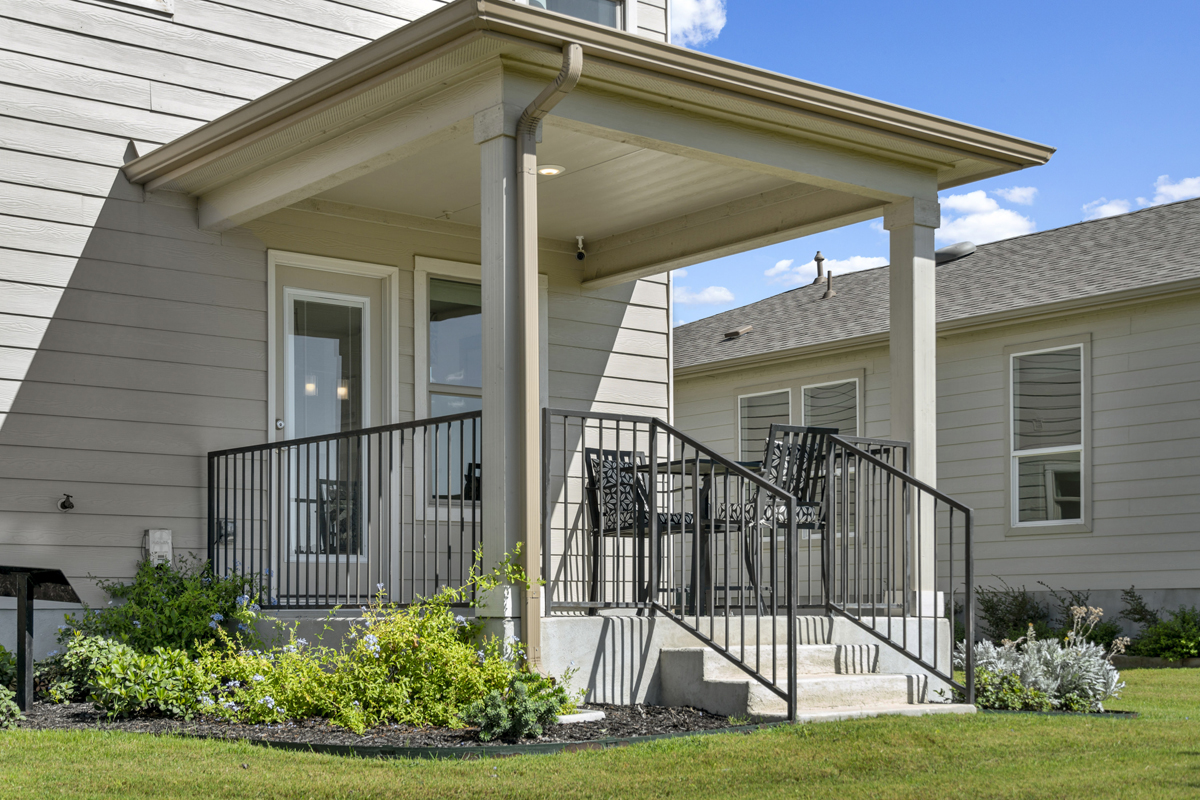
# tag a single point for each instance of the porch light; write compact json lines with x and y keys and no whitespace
{"x":343,"y":390}
{"x":550,"y":170}
{"x":310,"y":385}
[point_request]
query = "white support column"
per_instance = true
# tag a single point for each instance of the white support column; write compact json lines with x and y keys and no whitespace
{"x":913,"y":357}
{"x":914,"y":331}
{"x":502,"y":484}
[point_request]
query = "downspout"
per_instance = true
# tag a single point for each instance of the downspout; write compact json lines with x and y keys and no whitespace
{"x":527,"y":282}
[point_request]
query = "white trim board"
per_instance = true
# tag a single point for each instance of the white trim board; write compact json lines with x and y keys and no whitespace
{"x":389,"y":328}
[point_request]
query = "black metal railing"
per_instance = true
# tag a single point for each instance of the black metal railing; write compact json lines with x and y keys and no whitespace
{"x":638,"y":515}
{"x":339,"y":519}
{"x":898,"y":556}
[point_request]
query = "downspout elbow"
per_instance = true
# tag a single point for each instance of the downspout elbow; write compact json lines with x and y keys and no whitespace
{"x":567,"y":80}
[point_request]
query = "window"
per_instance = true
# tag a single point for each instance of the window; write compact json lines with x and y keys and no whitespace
{"x":756,"y":414}
{"x":832,"y":405}
{"x":455,"y":381}
{"x":1047,"y":436}
{"x":605,"y":12}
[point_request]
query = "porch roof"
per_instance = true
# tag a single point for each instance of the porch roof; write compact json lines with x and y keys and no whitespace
{"x":724,"y":156}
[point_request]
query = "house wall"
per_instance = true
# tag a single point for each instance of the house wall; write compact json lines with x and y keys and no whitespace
{"x":131,"y":342}
{"x":1145,"y":433}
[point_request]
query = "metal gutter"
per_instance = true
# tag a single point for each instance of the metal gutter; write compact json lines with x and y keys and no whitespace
{"x":463,"y":20}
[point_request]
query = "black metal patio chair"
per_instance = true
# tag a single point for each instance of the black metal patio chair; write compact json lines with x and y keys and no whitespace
{"x":618,"y":502}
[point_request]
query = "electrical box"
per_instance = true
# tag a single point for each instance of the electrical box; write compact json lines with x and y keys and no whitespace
{"x":156,"y":546}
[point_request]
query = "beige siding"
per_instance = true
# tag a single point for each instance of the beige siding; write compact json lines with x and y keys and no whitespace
{"x":1145,"y":432}
{"x":130,"y":341}
{"x":652,"y":19}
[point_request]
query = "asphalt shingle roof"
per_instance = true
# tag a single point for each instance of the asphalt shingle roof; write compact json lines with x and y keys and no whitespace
{"x":1152,"y":246}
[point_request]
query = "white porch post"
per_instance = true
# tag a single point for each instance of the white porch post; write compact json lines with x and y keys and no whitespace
{"x":502,"y":484}
{"x":913,"y":356}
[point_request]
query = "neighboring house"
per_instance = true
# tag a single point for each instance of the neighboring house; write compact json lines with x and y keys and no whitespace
{"x":299,"y":229}
{"x":1068,"y":403}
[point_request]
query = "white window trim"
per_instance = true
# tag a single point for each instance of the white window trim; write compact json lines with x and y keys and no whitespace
{"x":1083,"y":523}
{"x":389,"y":331}
{"x":858,"y":405}
{"x":738,"y":411}
{"x":427,"y":268}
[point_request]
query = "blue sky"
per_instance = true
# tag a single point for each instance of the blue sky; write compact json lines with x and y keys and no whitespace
{"x":1114,"y":86}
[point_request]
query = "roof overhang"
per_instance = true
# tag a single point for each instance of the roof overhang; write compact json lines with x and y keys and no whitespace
{"x":821,"y":157}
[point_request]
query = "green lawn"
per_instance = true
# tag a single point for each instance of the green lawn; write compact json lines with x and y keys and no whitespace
{"x":985,"y":755}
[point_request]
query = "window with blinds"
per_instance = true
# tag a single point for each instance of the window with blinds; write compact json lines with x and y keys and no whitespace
{"x":756,"y":414}
{"x":832,"y":405}
{"x":1047,"y":436}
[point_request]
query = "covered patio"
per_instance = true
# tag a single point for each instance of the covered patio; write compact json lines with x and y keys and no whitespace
{"x":584,"y":164}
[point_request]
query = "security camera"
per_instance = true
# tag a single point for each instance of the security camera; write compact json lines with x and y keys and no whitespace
{"x":582,"y":254}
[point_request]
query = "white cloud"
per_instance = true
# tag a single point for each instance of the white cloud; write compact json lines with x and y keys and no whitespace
{"x":877,"y":226}
{"x":1167,"y":192}
{"x":710,"y":296}
{"x":1106,"y":208}
{"x":975,"y":217}
{"x":976,"y":202}
{"x":679,"y":273}
{"x":785,"y":273}
{"x":779,"y":268}
{"x":696,"y":22}
{"x":1021,"y":195}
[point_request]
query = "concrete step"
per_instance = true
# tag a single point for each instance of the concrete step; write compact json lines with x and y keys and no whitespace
{"x":814,"y":659}
{"x":702,"y":678}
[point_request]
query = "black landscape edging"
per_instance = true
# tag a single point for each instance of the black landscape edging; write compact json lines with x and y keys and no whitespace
{"x":1101,"y":714}
{"x":466,"y":753}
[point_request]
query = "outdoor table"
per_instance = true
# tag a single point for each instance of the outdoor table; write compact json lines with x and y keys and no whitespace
{"x":28,"y":584}
{"x":708,"y":470}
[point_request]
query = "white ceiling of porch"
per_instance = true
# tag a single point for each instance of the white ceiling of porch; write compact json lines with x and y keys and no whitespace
{"x":608,"y":188}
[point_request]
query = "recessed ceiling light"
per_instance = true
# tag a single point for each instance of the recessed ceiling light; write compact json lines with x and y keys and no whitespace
{"x":550,"y":170}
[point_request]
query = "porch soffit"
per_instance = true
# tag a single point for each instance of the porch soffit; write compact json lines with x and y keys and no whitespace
{"x":468,"y":36}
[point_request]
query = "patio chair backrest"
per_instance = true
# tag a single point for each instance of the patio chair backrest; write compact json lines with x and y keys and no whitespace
{"x":616,"y":493}
{"x":794,"y":460}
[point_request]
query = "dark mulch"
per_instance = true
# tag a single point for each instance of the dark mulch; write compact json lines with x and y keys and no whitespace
{"x":619,"y":722}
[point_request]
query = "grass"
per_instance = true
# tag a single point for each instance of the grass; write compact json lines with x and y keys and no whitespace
{"x":979,"y":756}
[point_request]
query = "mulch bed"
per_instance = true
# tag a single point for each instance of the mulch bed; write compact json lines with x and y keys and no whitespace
{"x":620,"y":722}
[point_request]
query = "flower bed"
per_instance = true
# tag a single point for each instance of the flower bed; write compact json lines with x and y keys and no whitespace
{"x":1032,"y":674}
{"x":620,"y":722}
{"x":417,"y":666}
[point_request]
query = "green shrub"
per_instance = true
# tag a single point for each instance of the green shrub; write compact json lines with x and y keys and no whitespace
{"x":73,"y":671}
{"x":8,"y":670}
{"x":175,"y":606}
{"x":1007,"y":614}
{"x":123,"y":682}
{"x":1072,"y":674}
{"x":530,"y":705}
{"x":164,"y":682}
{"x":1174,"y":637}
{"x":1005,"y":692}
{"x":421,"y":665}
{"x":1137,"y":610}
{"x":10,"y":712}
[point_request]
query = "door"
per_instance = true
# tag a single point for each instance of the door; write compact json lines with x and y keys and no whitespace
{"x":328,"y":381}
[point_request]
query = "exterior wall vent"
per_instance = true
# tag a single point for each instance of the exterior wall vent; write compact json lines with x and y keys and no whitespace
{"x":736,"y":332}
